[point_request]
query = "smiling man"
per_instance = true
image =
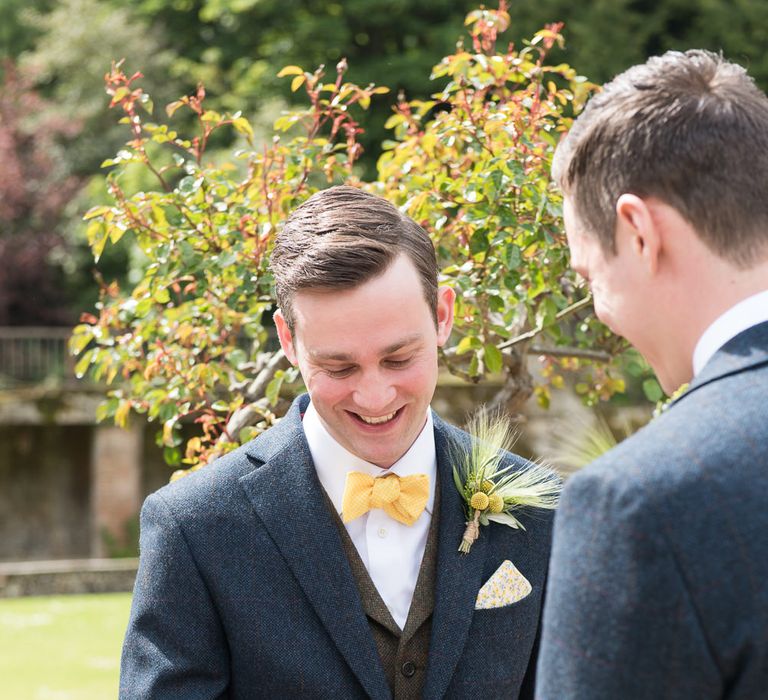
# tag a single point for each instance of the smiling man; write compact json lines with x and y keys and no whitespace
{"x":321,"y":559}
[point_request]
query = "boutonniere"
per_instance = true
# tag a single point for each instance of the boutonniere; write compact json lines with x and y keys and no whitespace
{"x":492,"y":492}
{"x":664,"y":404}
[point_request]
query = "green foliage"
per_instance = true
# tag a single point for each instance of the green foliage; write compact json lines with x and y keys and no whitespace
{"x":472,"y":166}
{"x":607,"y":36}
{"x":188,"y":341}
{"x":77,"y":40}
{"x":233,"y":46}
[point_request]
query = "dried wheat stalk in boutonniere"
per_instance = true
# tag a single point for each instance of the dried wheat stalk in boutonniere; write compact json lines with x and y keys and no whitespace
{"x":492,"y":492}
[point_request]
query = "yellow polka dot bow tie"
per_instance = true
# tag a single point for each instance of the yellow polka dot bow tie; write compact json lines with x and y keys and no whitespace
{"x":402,"y":498}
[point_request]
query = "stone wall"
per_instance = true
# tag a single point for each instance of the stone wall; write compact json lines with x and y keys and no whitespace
{"x":44,"y":491}
{"x":74,"y":491}
{"x":67,"y":576}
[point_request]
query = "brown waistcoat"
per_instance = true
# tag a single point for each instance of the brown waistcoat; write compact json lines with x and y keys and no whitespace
{"x":403,"y":653}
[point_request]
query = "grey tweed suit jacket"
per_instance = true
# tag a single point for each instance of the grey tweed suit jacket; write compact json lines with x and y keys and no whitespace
{"x":659,"y":572}
{"x":244,"y":590}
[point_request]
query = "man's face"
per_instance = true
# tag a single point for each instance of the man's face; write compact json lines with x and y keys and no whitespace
{"x":368,"y":357}
{"x":611,"y":278}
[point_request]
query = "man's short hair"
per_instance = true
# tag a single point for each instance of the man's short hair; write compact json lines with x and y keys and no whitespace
{"x":690,"y":129}
{"x":343,"y":237}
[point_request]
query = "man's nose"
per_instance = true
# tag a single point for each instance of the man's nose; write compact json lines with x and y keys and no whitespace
{"x":374,"y":394}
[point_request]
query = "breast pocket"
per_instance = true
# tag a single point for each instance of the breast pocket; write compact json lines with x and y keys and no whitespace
{"x":498,"y":650}
{"x":519,"y":619}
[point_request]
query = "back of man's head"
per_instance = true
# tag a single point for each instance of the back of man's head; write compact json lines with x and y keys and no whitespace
{"x":341,"y":238}
{"x":690,"y":129}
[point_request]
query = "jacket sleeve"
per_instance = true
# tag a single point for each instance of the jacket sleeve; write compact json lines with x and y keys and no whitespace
{"x":619,"y":619}
{"x":175,"y":645}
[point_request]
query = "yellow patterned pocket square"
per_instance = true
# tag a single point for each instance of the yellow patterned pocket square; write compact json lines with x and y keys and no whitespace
{"x":506,"y":586}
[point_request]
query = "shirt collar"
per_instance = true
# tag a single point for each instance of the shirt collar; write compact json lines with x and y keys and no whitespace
{"x":747,"y":313}
{"x":332,"y":461}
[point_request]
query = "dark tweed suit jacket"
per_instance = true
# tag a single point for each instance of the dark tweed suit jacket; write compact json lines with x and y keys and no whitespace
{"x":244,"y":590}
{"x":659,"y":573}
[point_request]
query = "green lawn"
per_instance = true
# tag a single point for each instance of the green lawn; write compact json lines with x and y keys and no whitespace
{"x":62,"y":647}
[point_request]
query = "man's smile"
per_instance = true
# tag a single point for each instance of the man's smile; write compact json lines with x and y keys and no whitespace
{"x":376,"y":420}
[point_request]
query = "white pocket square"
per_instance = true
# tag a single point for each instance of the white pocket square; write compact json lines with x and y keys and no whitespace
{"x":506,"y":586}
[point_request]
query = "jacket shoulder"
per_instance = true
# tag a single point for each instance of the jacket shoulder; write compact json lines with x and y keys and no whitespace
{"x":219,"y":479}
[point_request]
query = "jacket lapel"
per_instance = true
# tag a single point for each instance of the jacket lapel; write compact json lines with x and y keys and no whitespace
{"x":287,"y":496}
{"x":746,"y":350}
{"x":459,"y":576}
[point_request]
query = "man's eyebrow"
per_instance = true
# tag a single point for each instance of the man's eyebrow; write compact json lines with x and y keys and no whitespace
{"x":330,"y":356}
{"x":346,"y":357}
{"x":400,"y":344}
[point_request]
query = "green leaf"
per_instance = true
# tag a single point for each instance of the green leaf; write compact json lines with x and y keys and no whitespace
{"x":106,"y":409}
{"x":457,"y":480}
{"x":243,"y":126}
{"x":84,"y":363}
{"x":172,"y":456}
{"x":652,"y":390}
{"x":506,"y":519}
{"x":273,"y":388}
{"x":494,"y":361}
{"x":479,"y":244}
{"x":171,"y":434}
{"x":97,"y":234}
{"x":93,"y":212}
{"x":467,"y":343}
{"x":237,"y":357}
{"x":81,"y":336}
{"x":290,"y":70}
{"x":144,"y":307}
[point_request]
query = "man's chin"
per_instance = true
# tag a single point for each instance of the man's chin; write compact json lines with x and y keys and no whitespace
{"x":383,"y":456}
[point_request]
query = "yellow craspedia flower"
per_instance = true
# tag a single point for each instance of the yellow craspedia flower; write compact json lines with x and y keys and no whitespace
{"x":495,"y":503}
{"x":479,"y":500}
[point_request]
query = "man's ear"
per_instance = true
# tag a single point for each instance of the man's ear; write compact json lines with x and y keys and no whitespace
{"x":637,"y":230}
{"x":445,"y":301}
{"x":285,"y":336}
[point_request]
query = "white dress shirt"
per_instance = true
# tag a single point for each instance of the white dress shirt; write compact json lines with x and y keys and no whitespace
{"x":390,"y":550}
{"x":747,"y":313}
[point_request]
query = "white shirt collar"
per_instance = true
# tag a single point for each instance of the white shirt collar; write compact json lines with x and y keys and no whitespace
{"x":332,"y":461}
{"x":747,"y":313}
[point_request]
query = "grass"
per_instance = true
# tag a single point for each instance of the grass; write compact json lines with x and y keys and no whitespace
{"x":62,"y":647}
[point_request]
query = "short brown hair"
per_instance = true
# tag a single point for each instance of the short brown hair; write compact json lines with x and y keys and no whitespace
{"x":343,"y":237}
{"x":690,"y":129}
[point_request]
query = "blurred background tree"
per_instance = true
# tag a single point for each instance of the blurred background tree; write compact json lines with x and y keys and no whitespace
{"x":35,"y":188}
{"x":236,"y":48}
{"x":56,"y":128}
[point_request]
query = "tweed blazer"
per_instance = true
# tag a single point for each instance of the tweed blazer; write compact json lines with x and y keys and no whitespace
{"x":659,"y":573}
{"x":244,"y":590}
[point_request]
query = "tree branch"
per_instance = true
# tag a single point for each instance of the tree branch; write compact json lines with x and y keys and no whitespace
{"x":251,"y":412}
{"x":567,"y":351}
{"x":572,"y":309}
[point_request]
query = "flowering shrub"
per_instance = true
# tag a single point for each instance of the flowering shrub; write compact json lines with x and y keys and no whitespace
{"x":188,"y":342}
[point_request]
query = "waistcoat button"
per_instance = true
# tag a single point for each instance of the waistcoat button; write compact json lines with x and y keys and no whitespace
{"x":408,"y":669}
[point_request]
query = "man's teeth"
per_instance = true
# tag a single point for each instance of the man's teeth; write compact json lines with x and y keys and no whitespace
{"x":376,"y":421}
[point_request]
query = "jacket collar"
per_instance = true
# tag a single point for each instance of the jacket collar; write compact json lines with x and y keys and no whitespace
{"x":746,"y":350}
